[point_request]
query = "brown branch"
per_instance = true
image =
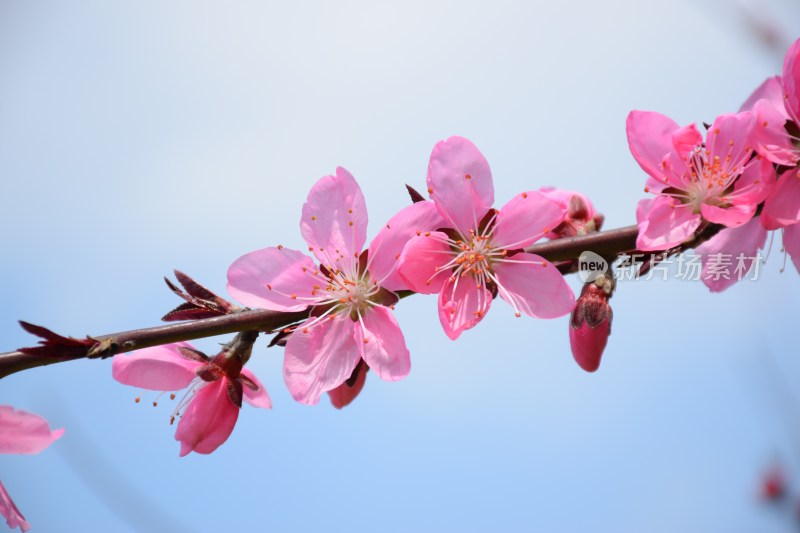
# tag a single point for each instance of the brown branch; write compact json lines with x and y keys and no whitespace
{"x":256,"y":319}
{"x":607,"y":244}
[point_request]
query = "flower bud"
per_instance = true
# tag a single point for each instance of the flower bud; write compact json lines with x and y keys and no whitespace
{"x":580,"y":217}
{"x":590,"y":322}
{"x":773,"y":484}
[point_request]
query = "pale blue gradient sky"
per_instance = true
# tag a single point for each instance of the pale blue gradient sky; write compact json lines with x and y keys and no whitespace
{"x":140,"y":137}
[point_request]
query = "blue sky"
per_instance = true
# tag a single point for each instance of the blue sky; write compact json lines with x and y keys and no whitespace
{"x":137,"y":138}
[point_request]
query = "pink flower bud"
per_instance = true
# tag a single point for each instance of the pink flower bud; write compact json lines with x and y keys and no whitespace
{"x":590,"y":323}
{"x":773,"y":484}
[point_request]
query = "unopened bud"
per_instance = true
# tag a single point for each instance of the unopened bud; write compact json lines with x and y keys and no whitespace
{"x":773,"y":485}
{"x":590,"y":322}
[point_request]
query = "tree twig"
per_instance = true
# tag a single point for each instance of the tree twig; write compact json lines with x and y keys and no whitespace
{"x":607,"y":244}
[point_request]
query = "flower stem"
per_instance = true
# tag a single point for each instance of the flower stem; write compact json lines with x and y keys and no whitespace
{"x":607,"y":244}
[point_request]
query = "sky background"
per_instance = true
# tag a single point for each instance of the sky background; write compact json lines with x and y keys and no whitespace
{"x":144,"y":136}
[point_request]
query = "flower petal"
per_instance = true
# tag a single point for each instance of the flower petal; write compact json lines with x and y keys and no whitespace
{"x":385,"y":348}
{"x":10,"y":512}
{"x":782,"y":208}
{"x":730,"y":138}
{"x":160,"y":368}
{"x":420,"y":262}
{"x":462,"y":305}
{"x":334,"y":220}
{"x":732,"y":216}
{"x":564,"y":198}
{"x":534,"y":286}
{"x":208,"y":420}
{"x":650,"y":138}
{"x":663,"y":223}
{"x":525,"y":219}
{"x":23,"y":432}
{"x":771,"y":91}
{"x":770,"y":137}
{"x":791,"y":243}
{"x":460,"y":183}
{"x":321,"y":359}
{"x":385,"y":248}
{"x":345,"y":393}
{"x":721,"y":254}
{"x":256,"y":398}
{"x":268,"y":278}
{"x":791,"y":81}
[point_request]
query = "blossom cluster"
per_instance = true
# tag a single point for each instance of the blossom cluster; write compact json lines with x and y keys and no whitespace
{"x":719,"y":193}
{"x":454,"y":244}
{"x":744,"y":176}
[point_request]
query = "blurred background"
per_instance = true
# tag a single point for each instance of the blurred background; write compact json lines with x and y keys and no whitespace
{"x":144,"y":136}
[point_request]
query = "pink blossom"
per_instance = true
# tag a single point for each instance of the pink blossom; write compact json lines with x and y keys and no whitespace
{"x":216,"y":387}
{"x":478,"y":252}
{"x":21,"y":433}
{"x":350,"y":292}
{"x":776,"y":105}
{"x":580,"y":216}
{"x":716,"y":181}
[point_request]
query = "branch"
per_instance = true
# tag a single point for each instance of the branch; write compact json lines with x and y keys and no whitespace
{"x":607,"y":244}
{"x":114,"y":343}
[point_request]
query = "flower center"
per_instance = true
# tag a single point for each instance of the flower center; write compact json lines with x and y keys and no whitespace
{"x":708,"y":177}
{"x":351,"y":294}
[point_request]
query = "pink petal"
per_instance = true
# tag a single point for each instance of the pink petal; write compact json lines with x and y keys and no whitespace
{"x":770,"y":91}
{"x":525,"y":219}
{"x":159,"y":368}
{"x":268,"y":278}
{"x":10,"y":512}
{"x":563,"y":198}
{"x":257,"y":398}
{"x":462,"y":305}
{"x":746,"y":240}
{"x":420,"y":262}
{"x":663,"y":223}
{"x":732,"y":216}
{"x":208,"y":420}
{"x":685,"y":139}
{"x":534,"y":286}
{"x":345,"y":393}
{"x":334,"y":220}
{"x":754,"y":185}
{"x":650,"y":138}
{"x":731,"y":135}
{"x":321,"y":359}
{"x":791,"y":243}
{"x":23,"y":432}
{"x":782,"y":208}
{"x":791,"y":81}
{"x":385,"y":350}
{"x":770,"y":136}
{"x":385,"y":248}
{"x":460,"y":183}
